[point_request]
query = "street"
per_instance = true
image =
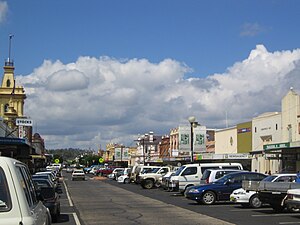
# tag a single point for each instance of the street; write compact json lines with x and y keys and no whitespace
{"x":108,"y":202}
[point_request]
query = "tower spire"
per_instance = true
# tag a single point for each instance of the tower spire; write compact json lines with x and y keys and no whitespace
{"x":9,"y":61}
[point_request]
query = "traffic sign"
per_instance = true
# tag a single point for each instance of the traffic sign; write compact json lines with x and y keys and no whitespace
{"x":101,"y":160}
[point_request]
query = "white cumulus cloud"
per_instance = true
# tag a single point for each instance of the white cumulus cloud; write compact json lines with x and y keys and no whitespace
{"x":97,"y":100}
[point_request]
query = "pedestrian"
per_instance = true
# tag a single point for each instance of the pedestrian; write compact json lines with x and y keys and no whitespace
{"x":269,"y":172}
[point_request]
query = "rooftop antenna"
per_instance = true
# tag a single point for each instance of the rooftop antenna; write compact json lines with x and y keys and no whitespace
{"x":9,"y":61}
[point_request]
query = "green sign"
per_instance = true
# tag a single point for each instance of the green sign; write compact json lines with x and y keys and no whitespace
{"x":56,"y":160}
{"x":277,"y":146}
{"x":101,"y":160}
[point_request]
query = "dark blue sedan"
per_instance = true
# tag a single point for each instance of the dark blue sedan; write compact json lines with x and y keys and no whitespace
{"x":221,"y":189}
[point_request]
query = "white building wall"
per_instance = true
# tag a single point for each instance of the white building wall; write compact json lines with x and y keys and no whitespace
{"x":226,"y":141}
{"x":266,"y":129}
{"x":290,"y":108}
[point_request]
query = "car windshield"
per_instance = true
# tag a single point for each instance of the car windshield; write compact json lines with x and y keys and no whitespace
{"x":154,"y":170}
{"x":179,"y":170}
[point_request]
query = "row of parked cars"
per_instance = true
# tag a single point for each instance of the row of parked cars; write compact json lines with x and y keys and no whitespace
{"x":208,"y":183}
{"x":26,"y":198}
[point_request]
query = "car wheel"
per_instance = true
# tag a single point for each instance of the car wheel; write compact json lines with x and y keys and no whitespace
{"x":255,"y":202}
{"x":208,"y":198}
{"x":126,"y":181}
{"x":147,"y":184}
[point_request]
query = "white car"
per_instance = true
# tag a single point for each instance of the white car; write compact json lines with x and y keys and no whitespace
{"x":124,"y":179}
{"x":78,"y":175}
{"x":250,"y":198}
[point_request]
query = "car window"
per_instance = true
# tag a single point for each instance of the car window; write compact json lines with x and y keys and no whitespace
{"x":203,"y":168}
{"x":238,"y":178}
{"x":221,"y":173}
{"x":254,"y":176}
{"x":285,"y":179}
{"x":27,"y":185}
{"x":189,"y":171}
{"x":206,"y":174}
{"x":5,"y":200}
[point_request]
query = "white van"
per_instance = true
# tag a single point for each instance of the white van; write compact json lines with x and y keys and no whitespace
{"x":190,"y":174}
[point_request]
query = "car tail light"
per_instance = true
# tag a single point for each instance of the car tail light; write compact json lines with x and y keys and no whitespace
{"x":207,"y":180}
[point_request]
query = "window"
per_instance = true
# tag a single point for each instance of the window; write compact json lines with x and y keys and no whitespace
{"x":5,"y":201}
{"x":27,"y":184}
{"x":190,"y":171}
{"x":6,"y":108}
{"x":8,"y":83}
{"x":255,"y":129}
{"x":276,"y":126}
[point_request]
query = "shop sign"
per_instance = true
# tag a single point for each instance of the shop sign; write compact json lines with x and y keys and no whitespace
{"x":276,"y":146}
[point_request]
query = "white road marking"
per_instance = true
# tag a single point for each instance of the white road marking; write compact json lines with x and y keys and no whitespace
{"x":77,"y":222}
{"x":67,"y":192}
{"x":282,"y":214}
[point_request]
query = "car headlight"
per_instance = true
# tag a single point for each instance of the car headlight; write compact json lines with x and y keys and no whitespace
{"x":193,"y":190}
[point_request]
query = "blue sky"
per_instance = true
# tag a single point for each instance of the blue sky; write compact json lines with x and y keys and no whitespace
{"x":208,"y":36}
{"x":98,"y":71}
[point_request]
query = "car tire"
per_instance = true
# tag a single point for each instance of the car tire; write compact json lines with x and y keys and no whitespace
{"x":126,"y":181}
{"x":255,"y":202}
{"x":208,"y":198}
{"x":147,"y":184}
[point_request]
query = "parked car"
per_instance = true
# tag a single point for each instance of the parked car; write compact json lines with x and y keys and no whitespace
{"x":211,"y":175}
{"x":190,"y":174}
{"x":50,"y":197}
{"x":19,"y":201}
{"x":248,"y":198}
{"x":221,"y":189}
{"x":113,"y":174}
{"x":124,"y":179}
{"x":154,"y":177}
{"x":78,"y":174}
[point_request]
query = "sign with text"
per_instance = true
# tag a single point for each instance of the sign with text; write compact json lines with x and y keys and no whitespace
{"x":24,"y":122}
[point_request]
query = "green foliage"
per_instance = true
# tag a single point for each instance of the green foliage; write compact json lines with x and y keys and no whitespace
{"x":68,"y":156}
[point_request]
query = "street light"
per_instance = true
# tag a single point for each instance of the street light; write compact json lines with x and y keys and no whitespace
{"x":193,"y":123}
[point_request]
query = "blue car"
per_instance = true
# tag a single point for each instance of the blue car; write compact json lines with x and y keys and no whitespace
{"x":221,"y":189}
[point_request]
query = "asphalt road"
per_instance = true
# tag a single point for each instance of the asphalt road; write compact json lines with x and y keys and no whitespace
{"x":95,"y":201}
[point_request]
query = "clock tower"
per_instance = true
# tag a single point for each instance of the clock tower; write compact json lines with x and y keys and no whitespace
{"x":11,"y":96}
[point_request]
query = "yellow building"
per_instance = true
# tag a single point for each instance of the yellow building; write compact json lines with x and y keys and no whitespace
{"x":11,"y":96}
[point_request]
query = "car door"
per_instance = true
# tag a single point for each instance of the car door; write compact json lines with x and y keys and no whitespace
{"x":233,"y":183}
{"x":190,"y":176}
{"x":37,"y":209}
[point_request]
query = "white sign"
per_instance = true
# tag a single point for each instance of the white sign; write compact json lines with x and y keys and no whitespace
{"x":24,"y":122}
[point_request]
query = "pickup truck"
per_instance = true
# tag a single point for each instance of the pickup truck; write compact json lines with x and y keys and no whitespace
{"x":19,"y":202}
{"x":153,"y":178}
{"x":274,"y":193}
